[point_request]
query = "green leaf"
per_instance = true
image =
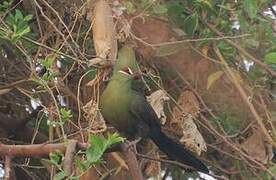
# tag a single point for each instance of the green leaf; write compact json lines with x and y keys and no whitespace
{"x":22,"y":32}
{"x":74,"y":178}
{"x":81,"y":165}
{"x":113,"y":139}
{"x":47,"y":62}
{"x":18,"y":14}
{"x":65,"y":114}
{"x":270,"y":58}
{"x":2,"y":33}
{"x":10,"y":20}
{"x":129,"y":7}
{"x":250,"y":6}
{"x":191,"y":23}
{"x":160,"y":9}
{"x":98,"y":146}
{"x":59,"y":176}
{"x":18,"y":24}
{"x":96,"y":149}
{"x":49,"y":76}
{"x":5,"y":5}
{"x":55,"y":158}
{"x":273,"y":169}
{"x":143,"y":4}
{"x":28,"y":17}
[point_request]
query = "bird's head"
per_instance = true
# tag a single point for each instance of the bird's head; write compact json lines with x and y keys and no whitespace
{"x":126,"y":59}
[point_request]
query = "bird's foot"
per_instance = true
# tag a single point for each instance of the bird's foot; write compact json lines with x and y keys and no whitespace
{"x":132,"y":144}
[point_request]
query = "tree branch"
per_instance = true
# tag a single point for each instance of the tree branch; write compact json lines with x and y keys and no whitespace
{"x":132,"y":162}
{"x":35,"y":150}
{"x":69,"y":157}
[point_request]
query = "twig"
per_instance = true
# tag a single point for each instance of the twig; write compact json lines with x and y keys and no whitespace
{"x":120,"y":160}
{"x":245,"y":97}
{"x":7,"y":175}
{"x":184,"y":166}
{"x":241,"y":50}
{"x":13,"y":84}
{"x":52,"y":49}
{"x":69,"y":157}
{"x":234,"y":147}
{"x":54,"y":26}
{"x":200,"y":39}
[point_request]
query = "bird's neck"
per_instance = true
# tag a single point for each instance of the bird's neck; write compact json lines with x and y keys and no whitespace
{"x":120,"y":83}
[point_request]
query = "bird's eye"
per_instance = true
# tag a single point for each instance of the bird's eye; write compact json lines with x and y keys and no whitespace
{"x":126,"y":71}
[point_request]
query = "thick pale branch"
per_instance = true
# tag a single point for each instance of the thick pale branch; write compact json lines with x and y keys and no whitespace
{"x":69,"y":157}
{"x":40,"y":150}
{"x":34,"y":150}
{"x":132,"y":162}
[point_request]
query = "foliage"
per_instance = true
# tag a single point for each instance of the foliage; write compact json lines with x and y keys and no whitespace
{"x":51,"y":32}
{"x":93,"y":154}
{"x":18,"y":24}
{"x":98,"y":146}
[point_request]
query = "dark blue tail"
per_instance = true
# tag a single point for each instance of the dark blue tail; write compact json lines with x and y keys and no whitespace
{"x":175,"y":151}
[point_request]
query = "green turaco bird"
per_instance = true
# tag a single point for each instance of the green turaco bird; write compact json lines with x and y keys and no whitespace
{"x":124,"y":106}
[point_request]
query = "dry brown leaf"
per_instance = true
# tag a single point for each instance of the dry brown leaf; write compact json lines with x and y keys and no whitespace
{"x":257,"y":147}
{"x":157,"y":100}
{"x":189,"y":103}
{"x":104,"y":32}
{"x":124,"y":31}
{"x":190,"y":136}
{"x":205,"y":50}
{"x":93,"y":115}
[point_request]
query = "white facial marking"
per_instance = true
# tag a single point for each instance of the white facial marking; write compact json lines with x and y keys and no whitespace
{"x":123,"y":72}
{"x":130,"y":71}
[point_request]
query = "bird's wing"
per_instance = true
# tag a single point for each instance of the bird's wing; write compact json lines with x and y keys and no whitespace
{"x":148,"y":126}
{"x":143,"y":114}
{"x":138,"y":86}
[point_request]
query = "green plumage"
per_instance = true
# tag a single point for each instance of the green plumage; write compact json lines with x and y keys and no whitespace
{"x":126,"y":108}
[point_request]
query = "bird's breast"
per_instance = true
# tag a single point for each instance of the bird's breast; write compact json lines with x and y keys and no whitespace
{"x":115,"y":108}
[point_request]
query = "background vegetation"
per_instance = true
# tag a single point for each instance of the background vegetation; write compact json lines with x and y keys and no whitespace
{"x":215,"y":60}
